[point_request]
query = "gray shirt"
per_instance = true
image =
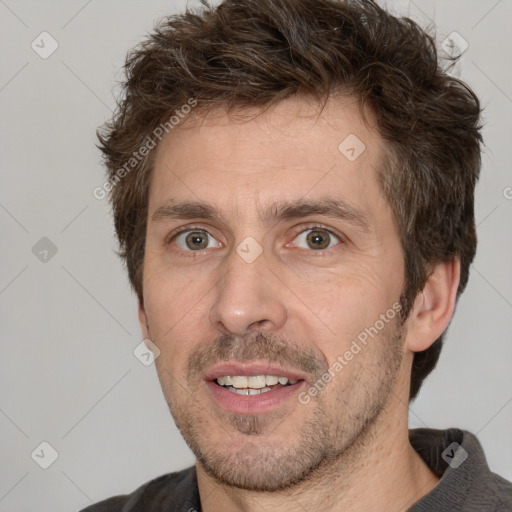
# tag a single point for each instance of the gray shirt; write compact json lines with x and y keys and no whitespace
{"x":466,"y":483}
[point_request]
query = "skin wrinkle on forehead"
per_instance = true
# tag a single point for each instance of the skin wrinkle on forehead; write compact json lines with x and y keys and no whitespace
{"x":336,"y":209}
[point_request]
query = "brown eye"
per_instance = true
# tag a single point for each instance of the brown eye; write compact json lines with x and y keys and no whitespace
{"x":195,"y":240}
{"x":317,"y":239}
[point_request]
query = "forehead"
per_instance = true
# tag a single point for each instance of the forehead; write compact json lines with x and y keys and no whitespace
{"x":294,"y":151}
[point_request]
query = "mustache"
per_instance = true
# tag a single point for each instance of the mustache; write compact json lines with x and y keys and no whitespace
{"x":258,"y":346}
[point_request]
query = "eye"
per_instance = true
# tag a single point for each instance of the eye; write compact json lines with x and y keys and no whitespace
{"x":195,"y":240}
{"x":317,"y":238}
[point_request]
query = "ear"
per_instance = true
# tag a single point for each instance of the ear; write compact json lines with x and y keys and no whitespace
{"x":434,"y":306}
{"x":143,"y":321}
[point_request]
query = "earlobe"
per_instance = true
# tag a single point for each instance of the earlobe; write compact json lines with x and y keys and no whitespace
{"x":434,"y":306}
{"x":143,"y":321}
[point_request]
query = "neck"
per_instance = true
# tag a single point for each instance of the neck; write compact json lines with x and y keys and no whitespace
{"x":381,"y":471}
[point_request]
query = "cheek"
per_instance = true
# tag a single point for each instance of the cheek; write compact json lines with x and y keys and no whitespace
{"x":373,"y":280}
{"x":168,"y":291}
{"x":173,"y":307}
{"x":347,"y":300}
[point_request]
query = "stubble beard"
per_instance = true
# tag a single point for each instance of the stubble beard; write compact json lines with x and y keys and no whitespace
{"x":324,"y":444}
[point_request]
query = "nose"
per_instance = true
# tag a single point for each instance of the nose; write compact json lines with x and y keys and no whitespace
{"x":248,"y":297}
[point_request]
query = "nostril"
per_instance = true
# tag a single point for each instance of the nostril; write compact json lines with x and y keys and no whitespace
{"x":258,"y":323}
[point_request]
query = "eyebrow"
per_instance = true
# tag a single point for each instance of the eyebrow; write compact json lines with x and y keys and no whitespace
{"x":335,"y":209}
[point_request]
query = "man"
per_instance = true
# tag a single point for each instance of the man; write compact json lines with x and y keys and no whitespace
{"x":293,"y":188}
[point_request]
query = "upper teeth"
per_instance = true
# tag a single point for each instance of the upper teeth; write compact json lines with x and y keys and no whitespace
{"x":254,"y":381}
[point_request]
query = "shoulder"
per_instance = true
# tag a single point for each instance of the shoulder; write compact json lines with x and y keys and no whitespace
{"x":503,"y":489}
{"x":174,"y":491}
{"x":466,"y":481}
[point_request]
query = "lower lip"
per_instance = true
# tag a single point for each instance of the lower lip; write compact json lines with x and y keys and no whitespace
{"x":253,"y":404}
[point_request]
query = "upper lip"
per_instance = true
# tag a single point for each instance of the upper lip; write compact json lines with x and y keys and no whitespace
{"x":234,"y":368}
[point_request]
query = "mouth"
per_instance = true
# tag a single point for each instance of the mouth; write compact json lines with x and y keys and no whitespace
{"x":252,"y":389}
{"x":254,"y":384}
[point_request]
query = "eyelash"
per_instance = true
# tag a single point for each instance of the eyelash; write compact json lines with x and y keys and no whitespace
{"x":312,"y":227}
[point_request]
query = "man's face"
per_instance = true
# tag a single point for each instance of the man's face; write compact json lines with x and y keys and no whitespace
{"x":263,"y":288}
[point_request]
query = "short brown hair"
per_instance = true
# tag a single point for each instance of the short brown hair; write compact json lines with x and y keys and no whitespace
{"x":255,"y":53}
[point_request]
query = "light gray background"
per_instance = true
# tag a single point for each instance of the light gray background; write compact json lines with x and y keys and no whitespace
{"x":69,"y":326}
